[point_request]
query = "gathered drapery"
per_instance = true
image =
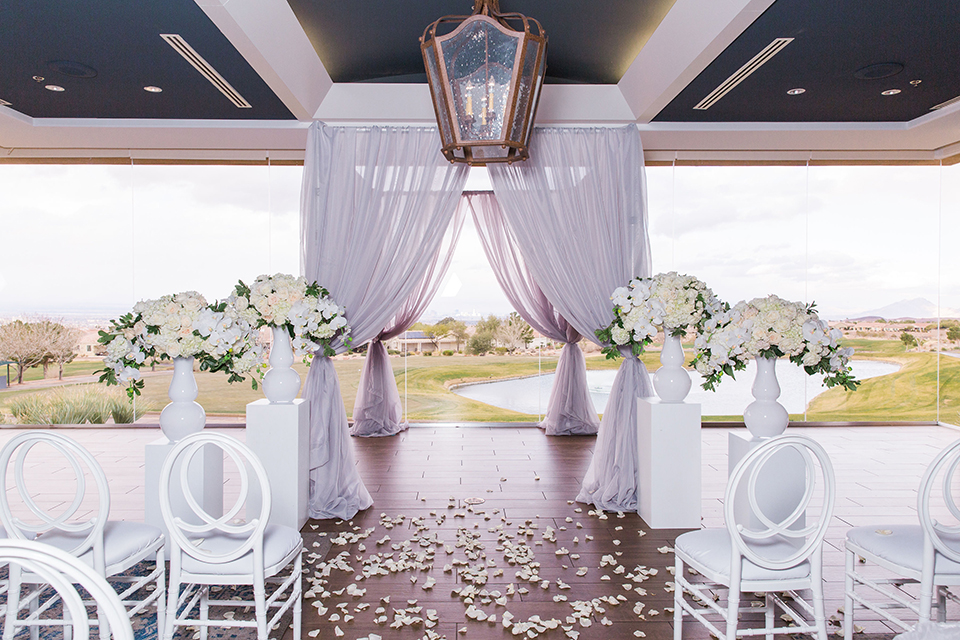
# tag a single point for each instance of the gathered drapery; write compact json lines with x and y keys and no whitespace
{"x":375,"y":205}
{"x":377,"y":411}
{"x":578,"y":211}
{"x":570,"y":410}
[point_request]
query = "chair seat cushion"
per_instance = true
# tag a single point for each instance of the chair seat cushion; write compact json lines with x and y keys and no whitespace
{"x":123,"y":541}
{"x":902,"y":545}
{"x":712,"y":549}
{"x":278,"y":542}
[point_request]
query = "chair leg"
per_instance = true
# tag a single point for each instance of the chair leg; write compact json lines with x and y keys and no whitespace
{"x":819,"y":614}
{"x":297,"y":603}
{"x":769,"y":615}
{"x":161,"y":596}
{"x":204,"y":610}
{"x":926,"y":582}
{"x":677,"y":600}
{"x":850,"y":563}
{"x":941,"y":604}
{"x":260,"y":600}
{"x":173,"y":594}
{"x":34,"y":629}
{"x":733,"y":610}
{"x":13,"y":602}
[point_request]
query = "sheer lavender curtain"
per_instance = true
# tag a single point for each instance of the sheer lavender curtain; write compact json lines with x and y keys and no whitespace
{"x":375,"y":204}
{"x":570,"y":410}
{"x":377,"y":411}
{"x":578,"y":210}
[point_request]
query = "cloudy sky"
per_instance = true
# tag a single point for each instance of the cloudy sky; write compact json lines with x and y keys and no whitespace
{"x":95,"y":239}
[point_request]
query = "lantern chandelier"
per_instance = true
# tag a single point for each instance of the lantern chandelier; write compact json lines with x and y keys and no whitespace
{"x":485,"y":77}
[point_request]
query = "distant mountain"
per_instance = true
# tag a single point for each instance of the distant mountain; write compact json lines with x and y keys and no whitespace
{"x":916,"y":308}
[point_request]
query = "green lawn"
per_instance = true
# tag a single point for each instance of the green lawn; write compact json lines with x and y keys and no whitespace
{"x":909,"y":394}
{"x":77,"y":368}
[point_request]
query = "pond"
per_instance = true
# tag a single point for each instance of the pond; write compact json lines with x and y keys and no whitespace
{"x":797,"y":389}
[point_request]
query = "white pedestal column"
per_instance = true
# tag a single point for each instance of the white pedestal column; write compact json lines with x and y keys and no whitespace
{"x":205,"y":477}
{"x":780,"y":487}
{"x":279,"y":435}
{"x":668,"y":466}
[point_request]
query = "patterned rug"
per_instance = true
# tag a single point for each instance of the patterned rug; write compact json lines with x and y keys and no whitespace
{"x":145,"y":624}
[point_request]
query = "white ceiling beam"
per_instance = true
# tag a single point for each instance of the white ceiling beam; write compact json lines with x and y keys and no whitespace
{"x":269,"y":36}
{"x":690,"y":37}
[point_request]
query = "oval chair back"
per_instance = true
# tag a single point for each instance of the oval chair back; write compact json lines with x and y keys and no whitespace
{"x":62,"y":571}
{"x":78,"y":459}
{"x":944,"y":466}
{"x":782,"y":542}
{"x":188,"y":536}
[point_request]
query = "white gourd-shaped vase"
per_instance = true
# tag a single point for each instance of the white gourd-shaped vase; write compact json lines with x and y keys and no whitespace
{"x":671,"y":381}
{"x":281,"y":383}
{"x":765,"y":417}
{"x":183,"y":415}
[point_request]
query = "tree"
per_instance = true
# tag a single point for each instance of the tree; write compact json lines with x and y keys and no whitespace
{"x":908,"y":340}
{"x":953,"y":333}
{"x":514,"y":332}
{"x":458,"y":331}
{"x":435,"y":333}
{"x":23,"y":343}
{"x":61,"y":347}
{"x":480,"y":343}
{"x":490,"y":324}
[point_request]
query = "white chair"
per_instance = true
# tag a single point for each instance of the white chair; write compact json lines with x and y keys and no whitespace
{"x":773,"y":555}
{"x":62,"y":571}
{"x":225,"y":550}
{"x":110,"y":548}
{"x":927,"y":554}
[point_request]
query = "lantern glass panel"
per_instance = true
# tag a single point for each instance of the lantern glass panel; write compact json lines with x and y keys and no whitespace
{"x":436,"y":83}
{"x":524,"y":84}
{"x":479,"y":60}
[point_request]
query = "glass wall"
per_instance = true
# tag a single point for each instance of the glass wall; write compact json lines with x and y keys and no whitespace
{"x":870,"y":245}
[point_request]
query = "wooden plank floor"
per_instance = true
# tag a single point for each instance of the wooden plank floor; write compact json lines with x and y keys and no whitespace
{"x":422,"y":479}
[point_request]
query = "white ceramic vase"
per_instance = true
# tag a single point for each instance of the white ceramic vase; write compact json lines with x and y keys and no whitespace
{"x":281,"y":383}
{"x":765,"y":417}
{"x":671,"y":381}
{"x":182,"y":416}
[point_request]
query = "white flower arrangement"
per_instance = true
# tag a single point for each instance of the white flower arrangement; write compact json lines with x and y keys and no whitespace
{"x":179,"y":325}
{"x":686,"y":301}
{"x":305,"y":310}
{"x":772,"y":327}
{"x":675,"y":302}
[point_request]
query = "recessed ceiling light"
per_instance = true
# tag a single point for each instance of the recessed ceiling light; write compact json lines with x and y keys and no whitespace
{"x":152,"y":89}
{"x":796,"y":92}
{"x":4,"y":103}
{"x":915,"y":82}
{"x":38,"y":78}
{"x":879,"y":70}
{"x":53,"y":87}
{"x":890,"y":92}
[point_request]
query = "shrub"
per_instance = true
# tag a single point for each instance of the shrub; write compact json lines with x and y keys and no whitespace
{"x":428,"y":353}
{"x":501,"y":351}
{"x":447,"y":352}
{"x":76,"y":405}
{"x":908,"y":340}
{"x":953,"y":333}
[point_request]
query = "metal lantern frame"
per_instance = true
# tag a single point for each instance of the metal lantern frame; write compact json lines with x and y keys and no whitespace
{"x":513,"y":143}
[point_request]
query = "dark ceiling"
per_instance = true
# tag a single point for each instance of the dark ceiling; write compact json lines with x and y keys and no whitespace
{"x":120,"y":40}
{"x":378,"y":40}
{"x":832,"y":40}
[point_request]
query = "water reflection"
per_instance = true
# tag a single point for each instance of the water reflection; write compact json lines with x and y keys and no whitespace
{"x":797,"y":389}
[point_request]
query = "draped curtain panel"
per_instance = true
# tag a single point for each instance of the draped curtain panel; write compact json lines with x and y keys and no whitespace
{"x":375,"y":205}
{"x":570,"y":410}
{"x":377,"y":411}
{"x":578,"y":211}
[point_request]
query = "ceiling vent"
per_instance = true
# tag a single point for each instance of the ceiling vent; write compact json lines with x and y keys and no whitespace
{"x":934,"y":108}
{"x":743,"y":72}
{"x":205,"y":68}
{"x":4,"y":103}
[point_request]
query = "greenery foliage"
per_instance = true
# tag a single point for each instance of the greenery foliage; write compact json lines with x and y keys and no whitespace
{"x":80,"y":404}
